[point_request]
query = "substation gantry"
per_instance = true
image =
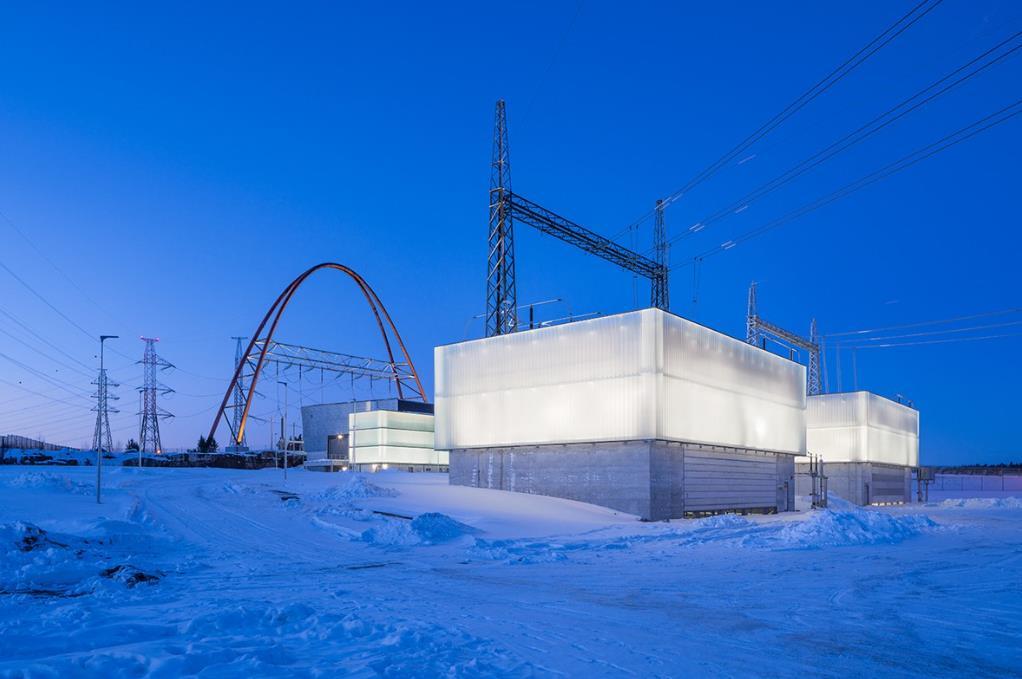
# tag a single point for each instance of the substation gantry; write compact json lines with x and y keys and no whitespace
{"x":758,"y":331}
{"x":507,"y":207}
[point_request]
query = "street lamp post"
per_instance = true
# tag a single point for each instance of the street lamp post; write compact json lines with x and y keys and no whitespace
{"x":283,"y":429}
{"x":99,"y":448}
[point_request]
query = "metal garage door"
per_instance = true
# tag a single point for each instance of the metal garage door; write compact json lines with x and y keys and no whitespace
{"x":888,"y":484}
{"x":718,"y":481}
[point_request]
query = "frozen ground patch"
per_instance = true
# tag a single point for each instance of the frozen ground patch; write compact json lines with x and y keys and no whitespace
{"x":38,"y":563}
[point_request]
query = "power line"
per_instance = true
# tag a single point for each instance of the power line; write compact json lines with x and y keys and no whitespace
{"x":42,"y":339}
{"x":849,"y":65}
{"x":43,"y":354}
{"x":862,"y":133}
{"x":33,"y":391}
{"x":931,"y":333}
{"x":42,"y":254}
{"x":46,"y":301}
{"x":963,"y":134}
{"x":919,"y":324}
{"x":66,"y":386}
{"x":936,"y":341}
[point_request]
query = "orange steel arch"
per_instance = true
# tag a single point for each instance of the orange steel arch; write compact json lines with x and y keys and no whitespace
{"x":277,"y":310}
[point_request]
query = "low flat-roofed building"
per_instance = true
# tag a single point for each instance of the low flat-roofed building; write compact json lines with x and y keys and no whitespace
{"x":325,"y":429}
{"x":385,"y":439}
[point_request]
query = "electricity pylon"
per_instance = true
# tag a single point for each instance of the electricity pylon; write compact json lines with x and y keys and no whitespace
{"x":149,"y":436}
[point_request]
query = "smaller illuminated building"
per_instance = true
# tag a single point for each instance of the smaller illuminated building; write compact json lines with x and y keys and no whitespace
{"x":387,"y":439}
{"x":869,"y":445}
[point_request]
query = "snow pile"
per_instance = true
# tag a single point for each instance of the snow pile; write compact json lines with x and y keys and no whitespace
{"x":843,"y":523}
{"x":983,"y":503}
{"x":358,"y":487}
{"x":433,"y":527}
{"x":48,"y":481}
{"x":426,"y":529}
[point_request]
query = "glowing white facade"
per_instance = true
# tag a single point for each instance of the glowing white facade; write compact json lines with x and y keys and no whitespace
{"x":387,"y":437}
{"x":862,"y":427}
{"x":640,"y":375}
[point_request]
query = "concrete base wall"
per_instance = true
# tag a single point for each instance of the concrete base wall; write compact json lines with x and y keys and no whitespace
{"x":861,"y":483}
{"x":652,"y":479}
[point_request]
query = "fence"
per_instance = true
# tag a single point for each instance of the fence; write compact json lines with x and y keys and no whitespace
{"x":14,"y":442}
{"x":976,"y":482}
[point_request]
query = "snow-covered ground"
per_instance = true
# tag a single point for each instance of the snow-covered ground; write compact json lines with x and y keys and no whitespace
{"x":235,"y":573}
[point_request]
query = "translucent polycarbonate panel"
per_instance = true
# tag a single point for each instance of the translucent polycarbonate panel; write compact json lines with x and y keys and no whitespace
{"x":397,"y":455}
{"x":887,"y":414}
{"x":837,"y":444}
{"x":718,"y":390}
{"x":836,"y":410}
{"x":586,"y":381}
{"x":862,"y":427}
{"x":639,"y":375}
{"x":390,"y":419}
{"x":392,"y":437}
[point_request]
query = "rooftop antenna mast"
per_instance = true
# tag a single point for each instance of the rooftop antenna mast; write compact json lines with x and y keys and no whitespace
{"x":149,"y":436}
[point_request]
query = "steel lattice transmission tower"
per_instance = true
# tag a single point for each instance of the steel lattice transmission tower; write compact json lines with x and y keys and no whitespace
{"x":659,"y":292}
{"x":501,"y":298}
{"x":149,"y":435}
{"x":238,"y":397}
{"x":101,"y":439}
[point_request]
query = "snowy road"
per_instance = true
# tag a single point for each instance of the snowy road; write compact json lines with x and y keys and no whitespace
{"x":485,"y":583}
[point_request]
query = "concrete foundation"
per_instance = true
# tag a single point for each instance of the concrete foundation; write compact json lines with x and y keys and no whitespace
{"x":653,"y":479}
{"x":862,"y":483}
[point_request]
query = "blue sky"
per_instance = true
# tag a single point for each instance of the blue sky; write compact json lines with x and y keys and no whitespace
{"x":174,"y":167}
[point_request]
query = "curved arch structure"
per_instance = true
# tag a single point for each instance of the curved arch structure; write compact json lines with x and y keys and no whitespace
{"x":383,"y":322}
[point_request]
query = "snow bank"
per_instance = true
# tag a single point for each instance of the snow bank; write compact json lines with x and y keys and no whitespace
{"x":47,"y":481}
{"x":842,"y":524}
{"x":982,"y":503}
{"x":837,"y":528}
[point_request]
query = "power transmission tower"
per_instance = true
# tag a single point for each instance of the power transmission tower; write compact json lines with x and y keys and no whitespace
{"x":149,"y":436}
{"x":758,"y":330}
{"x":238,"y":398}
{"x":501,"y":298}
{"x":507,"y":207}
{"x":659,"y":294}
{"x":751,"y":331}
{"x":101,"y":439}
